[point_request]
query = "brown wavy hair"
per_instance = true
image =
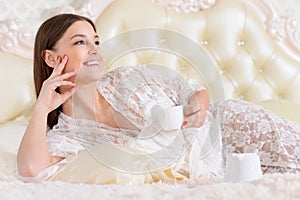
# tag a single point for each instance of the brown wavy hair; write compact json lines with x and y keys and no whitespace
{"x":47,"y":36}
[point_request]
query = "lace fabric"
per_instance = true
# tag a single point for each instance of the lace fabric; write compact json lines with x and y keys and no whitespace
{"x":231,"y":126}
{"x":133,"y":91}
{"x":248,"y":128}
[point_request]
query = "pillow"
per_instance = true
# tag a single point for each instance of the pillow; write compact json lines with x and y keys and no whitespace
{"x":89,"y":169}
{"x":288,"y":110}
{"x":16,"y":86}
{"x":11,"y":136}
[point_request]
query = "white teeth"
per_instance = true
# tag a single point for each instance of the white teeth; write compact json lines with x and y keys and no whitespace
{"x":90,"y":63}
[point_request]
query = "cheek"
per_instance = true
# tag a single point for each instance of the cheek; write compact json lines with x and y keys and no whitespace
{"x":74,"y":62}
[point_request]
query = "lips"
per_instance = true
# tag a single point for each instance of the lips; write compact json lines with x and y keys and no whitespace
{"x":92,"y":63}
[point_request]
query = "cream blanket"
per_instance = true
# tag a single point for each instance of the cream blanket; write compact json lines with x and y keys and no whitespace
{"x":275,"y":186}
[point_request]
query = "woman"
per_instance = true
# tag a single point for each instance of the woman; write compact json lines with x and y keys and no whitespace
{"x":82,"y":107}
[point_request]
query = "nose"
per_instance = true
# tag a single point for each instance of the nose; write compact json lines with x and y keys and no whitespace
{"x":93,"y":48}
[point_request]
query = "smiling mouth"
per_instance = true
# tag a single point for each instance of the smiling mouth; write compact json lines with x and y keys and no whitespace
{"x":93,"y":63}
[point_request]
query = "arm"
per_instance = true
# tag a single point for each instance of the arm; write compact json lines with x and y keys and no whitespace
{"x":191,"y":95}
{"x":33,"y":154}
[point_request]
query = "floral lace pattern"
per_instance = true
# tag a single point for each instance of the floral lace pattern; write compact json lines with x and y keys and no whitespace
{"x":133,"y":91}
{"x":247,"y":128}
{"x":70,"y":136}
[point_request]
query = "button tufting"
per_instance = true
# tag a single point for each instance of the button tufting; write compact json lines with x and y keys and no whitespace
{"x":260,"y":70}
{"x":163,"y":41}
{"x":204,"y":42}
{"x":241,"y":97}
{"x":183,"y":68}
{"x":278,"y":97}
{"x":241,"y":43}
{"x":223,"y":71}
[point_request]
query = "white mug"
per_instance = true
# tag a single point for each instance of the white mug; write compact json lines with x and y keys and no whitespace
{"x":171,"y":118}
{"x":242,"y":167}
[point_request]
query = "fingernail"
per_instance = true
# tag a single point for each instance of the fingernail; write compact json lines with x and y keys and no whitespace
{"x":184,"y":123}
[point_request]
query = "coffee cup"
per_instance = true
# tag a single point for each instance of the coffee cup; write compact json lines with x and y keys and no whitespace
{"x":242,"y":167}
{"x":171,"y":118}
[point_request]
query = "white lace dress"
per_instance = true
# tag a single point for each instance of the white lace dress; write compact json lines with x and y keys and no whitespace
{"x":132,"y":91}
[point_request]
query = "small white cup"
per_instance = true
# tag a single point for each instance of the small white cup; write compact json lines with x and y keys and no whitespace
{"x":171,"y":118}
{"x":242,"y":167}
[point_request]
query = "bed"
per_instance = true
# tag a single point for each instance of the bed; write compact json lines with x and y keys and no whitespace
{"x":237,"y":49}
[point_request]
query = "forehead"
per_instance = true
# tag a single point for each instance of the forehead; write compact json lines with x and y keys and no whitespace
{"x":81,"y":28}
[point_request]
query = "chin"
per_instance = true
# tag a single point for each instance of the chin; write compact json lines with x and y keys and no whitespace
{"x":89,"y":74}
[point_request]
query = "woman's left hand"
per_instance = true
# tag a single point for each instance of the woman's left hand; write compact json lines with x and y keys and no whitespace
{"x":194,"y":115}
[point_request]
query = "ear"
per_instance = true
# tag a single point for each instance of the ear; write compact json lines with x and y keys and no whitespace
{"x":50,"y":58}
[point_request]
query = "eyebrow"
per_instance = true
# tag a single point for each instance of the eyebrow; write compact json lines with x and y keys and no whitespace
{"x":81,"y":35}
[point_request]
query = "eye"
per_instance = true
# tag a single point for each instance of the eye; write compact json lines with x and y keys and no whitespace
{"x":80,"y":42}
{"x":97,"y":43}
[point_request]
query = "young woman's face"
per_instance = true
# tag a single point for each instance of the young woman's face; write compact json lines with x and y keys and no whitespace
{"x":80,"y":43}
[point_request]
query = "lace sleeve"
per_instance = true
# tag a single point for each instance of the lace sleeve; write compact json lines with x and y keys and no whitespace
{"x":133,"y":91}
{"x":187,"y":89}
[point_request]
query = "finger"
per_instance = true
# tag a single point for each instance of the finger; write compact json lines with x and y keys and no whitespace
{"x":57,"y":64}
{"x":201,"y":122}
{"x":56,"y":84}
{"x":65,"y":76}
{"x":184,"y":123}
{"x":190,"y":124}
{"x":198,"y":108}
{"x":201,"y":115}
{"x":187,"y":110}
{"x":66,"y":95}
{"x":192,"y":109}
{"x":60,"y":65}
{"x":202,"y":119}
{"x":196,"y":120}
{"x":58,"y":81}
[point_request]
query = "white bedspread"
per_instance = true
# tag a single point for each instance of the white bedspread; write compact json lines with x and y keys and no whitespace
{"x":275,"y":186}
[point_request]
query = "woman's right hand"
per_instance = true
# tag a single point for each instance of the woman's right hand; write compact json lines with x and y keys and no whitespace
{"x":49,"y":99}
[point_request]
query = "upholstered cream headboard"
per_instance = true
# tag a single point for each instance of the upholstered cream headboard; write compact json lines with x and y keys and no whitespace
{"x":251,"y":63}
{"x":255,"y":56}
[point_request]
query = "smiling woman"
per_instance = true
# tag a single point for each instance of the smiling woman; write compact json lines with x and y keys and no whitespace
{"x":244,"y":41}
{"x":54,"y":80}
{"x":95,"y":119}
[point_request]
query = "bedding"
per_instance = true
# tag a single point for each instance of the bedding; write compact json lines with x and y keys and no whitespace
{"x":243,"y":39}
{"x":275,"y":186}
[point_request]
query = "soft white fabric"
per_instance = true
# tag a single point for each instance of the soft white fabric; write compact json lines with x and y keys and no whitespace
{"x":245,"y":127}
{"x":11,"y":135}
{"x":248,"y":128}
{"x":270,"y":187}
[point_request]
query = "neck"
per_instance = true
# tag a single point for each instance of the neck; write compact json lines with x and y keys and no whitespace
{"x":82,"y":103}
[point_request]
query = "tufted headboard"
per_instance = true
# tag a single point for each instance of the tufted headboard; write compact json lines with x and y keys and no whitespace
{"x":250,"y":62}
{"x":242,"y":49}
